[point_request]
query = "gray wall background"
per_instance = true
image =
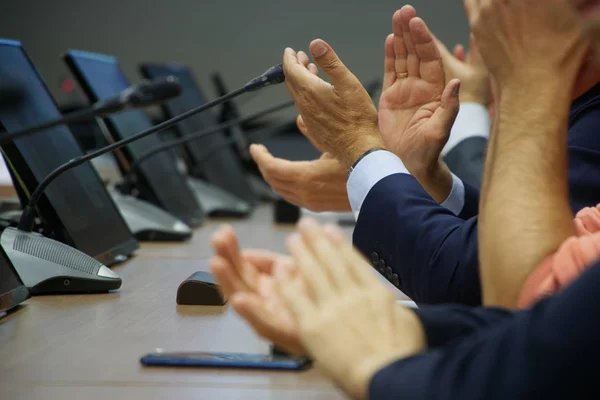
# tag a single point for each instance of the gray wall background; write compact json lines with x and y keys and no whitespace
{"x":236,"y":37}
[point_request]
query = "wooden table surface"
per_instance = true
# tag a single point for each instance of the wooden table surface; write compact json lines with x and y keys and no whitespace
{"x":88,"y":346}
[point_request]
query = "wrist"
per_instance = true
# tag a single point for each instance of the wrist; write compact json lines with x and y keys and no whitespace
{"x":548,"y":104}
{"x":547,"y":82}
{"x":358,"y":148}
{"x":478,"y":97}
{"x":436,"y":180}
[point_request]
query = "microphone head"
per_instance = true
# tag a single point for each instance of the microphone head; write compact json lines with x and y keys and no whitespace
{"x":152,"y":92}
{"x":272,"y":76}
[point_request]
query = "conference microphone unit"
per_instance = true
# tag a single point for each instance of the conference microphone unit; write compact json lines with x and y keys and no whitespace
{"x":48,"y":262}
{"x":145,"y":94}
{"x":130,"y":176}
{"x":45,"y":265}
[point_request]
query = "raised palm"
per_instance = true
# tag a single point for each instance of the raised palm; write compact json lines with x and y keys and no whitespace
{"x":416,"y":113}
{"x":248,"y":279}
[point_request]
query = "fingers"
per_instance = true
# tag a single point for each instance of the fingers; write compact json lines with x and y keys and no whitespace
{"x":226,"y":246}
{"x":253,"y":309}
{"x":325,"y":252}
{"x":224,"y":242}
{"x":399,"y":47}
{"x":431,"y":67}
{"x":444,"y":116}
{"x":294,"y":297}
{"x":330,"y":63}
{"x":303,"y":59}
{"x":273,"y":167}
{"x":356,"y":267}
{"x":389,"y":70}
{"x":224,"y":273}
{"x":263,"y":260}
{"x":471,"y":8}
{"x":296,"y":73}
{"x":460,"y":53}
{"x":407,"y":13}
{"x":311,"y":270}
{"x":301,"y":125}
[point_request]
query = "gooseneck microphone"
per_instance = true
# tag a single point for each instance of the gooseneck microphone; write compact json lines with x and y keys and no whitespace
{"x":273,"y":75}
{"x":200,"y":134}
{"x":141,"y":95}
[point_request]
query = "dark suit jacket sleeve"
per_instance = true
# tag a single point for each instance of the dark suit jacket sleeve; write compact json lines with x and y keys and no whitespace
{"x":444,"y":324}
{"x":548,"y":352}
{"x":428,"y":252}
{"x":471,"y":207}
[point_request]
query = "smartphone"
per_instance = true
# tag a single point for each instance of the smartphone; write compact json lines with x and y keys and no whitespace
{"x":226,"y":360}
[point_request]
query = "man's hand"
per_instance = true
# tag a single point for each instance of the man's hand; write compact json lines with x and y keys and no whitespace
{"x":341,"y":117}
{"x":416,"y":113}
{"x":349,"y":322}
{"x":248,"y":279}
{"x":528,"y":40}
{"x":469,"y":69}
{"x":318,"y":185}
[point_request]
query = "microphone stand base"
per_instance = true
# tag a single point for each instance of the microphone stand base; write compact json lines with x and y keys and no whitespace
{"x":148,"y":222}
{"x":217,"y":202}
{"x":49,"y":267}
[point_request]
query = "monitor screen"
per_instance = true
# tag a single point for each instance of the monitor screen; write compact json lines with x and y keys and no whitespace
{"x":223,"y":167}
{"x":77,"y":200}
{"x":101,"y":78}
{"x":12,"y":290}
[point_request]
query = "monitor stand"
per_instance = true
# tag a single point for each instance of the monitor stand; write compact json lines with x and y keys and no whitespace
{"x":148,"y":222}
{"x":217,"y":202}
{"x":261,"y":188}
{"x":47,"y":267}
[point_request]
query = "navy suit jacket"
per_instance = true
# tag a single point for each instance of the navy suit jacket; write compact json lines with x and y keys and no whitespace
{"x":548,"y":352}
{"x":431,"y":254}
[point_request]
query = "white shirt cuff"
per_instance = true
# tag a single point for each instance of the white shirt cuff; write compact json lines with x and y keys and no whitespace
{"x":456,"y":199}
{"x":473,"y":120}
{"x":369,"y":171}
{"x":381,"y":164}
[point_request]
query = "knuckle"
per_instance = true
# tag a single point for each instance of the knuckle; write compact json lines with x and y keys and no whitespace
{"x":331,"y":64}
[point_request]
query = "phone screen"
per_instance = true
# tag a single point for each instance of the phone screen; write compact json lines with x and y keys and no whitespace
{"x":226,"y":360}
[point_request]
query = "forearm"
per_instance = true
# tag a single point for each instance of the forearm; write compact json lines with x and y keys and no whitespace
{"x":526,"y":185}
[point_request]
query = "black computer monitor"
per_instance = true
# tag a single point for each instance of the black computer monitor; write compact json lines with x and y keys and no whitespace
{"x":223,"y":168}
{"x":159,"y":181}
{"x":12,"y":289}
{"x":76,"y":208}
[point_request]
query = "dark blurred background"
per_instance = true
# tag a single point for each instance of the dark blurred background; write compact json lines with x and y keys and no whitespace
{"x":239,"y":38}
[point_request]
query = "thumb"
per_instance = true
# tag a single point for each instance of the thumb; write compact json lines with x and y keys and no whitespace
{"x":330,"y":63}
{"x":260,"y":154}
{"x":445,"y":115}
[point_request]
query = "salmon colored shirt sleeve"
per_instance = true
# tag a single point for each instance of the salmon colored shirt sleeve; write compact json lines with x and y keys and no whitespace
{"x":572,"y":258}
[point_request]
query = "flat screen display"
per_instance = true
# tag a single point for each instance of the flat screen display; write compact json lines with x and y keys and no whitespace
{"x":101,"y":78}
{"x":76,"y":205}
{"x":223,"y":168}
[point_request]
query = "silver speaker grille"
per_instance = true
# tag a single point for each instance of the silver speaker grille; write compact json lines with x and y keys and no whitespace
{"x":55,"y":252}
